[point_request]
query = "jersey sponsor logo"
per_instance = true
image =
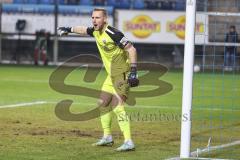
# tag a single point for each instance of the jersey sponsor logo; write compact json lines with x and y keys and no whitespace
{"x":105,"y":45}
{"x":142,"y":26}
{"x":104,"y":41}
{"x":178,"y":27}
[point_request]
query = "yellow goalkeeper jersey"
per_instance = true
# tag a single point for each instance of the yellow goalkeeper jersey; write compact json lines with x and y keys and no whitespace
{"x":111,"y":43}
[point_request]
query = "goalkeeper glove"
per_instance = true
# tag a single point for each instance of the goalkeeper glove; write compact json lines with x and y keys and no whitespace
{"x":64,"y":30}
{"x":132,"y":77}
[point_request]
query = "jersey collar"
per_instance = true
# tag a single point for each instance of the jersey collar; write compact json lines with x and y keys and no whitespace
{"x":104,"y":28}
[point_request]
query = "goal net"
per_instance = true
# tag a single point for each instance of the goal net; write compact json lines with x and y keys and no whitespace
{"x":216,"y":84}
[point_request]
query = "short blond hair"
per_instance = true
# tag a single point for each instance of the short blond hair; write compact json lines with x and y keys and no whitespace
{"x":101,"y":9}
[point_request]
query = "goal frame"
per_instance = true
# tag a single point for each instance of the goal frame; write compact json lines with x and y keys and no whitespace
{"x":188,"y":79}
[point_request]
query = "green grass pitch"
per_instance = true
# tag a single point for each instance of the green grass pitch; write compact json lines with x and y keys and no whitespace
{"x":33,"y":132}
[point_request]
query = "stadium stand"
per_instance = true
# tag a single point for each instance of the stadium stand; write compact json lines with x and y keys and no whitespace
{"x":124,"y":4}
{"x":72,"y":6}
{"x":179,"y":5}
{"x":6,"y":1}
{"x":166,"y":5}
{"x":46,"y":1}
{"x":72,"y":2}
{"x":10,"y":8}
{"x":99,"y":2}
{"x":28,"y":8}
{"x":62,"y":2}
{"x":152,"y":4}
{"x":119,"y":4}
{"x":110,"y":2}
{"x":49,"y":9}
{"x":18,"y":1}
{"x":86,"y":2}
{"x":138,"y":4}
{"x":32,"y":1}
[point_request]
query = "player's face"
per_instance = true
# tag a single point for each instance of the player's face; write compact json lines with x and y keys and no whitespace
{"x":98,"y":20}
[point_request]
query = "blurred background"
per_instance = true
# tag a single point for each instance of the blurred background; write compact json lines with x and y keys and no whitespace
{"x":28,"y":32}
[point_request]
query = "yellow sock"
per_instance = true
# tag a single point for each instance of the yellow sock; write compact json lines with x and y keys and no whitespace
{"x":123,"y":121}
{"x":106,"y":121}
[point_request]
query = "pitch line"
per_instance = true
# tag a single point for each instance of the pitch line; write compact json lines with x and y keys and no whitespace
{"x":86,"y":103}
{"x":23,"y":104}
{"x":154,"y":107}
{"x":23,"y":80}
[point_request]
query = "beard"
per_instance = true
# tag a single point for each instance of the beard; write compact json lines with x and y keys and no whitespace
{"x":99,"y":27}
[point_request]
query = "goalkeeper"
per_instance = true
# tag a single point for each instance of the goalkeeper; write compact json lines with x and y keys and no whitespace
{"x":119,"y":58}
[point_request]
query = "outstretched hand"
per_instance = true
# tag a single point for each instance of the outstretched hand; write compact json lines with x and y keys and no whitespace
{"x":64,"y":30}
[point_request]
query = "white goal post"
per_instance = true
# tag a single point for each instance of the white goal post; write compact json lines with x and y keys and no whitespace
{"x":188,"y":78}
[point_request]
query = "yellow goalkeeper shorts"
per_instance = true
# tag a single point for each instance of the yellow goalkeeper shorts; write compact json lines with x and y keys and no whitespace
{"x":116,"y":85}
